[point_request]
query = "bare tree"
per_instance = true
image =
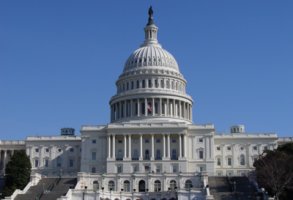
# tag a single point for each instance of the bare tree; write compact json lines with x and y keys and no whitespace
{"x":274,"y":172}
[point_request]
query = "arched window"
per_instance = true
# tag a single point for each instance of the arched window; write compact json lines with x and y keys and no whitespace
{"x":141,"y":186}
{"x":188,"y":184}
{"x":162,"y":83}
{"x":111,"y":186}
{"x":242,"y":159}
{"x":173,"y":185}
{"x":157,"y":186}
{"x":95,"y":185}
{"x":219,"y":161}
{"x":126,"y":186}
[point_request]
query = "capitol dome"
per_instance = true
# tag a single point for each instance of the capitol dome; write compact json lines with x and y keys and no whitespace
{"x":151,"y":87}
{"x":149,"y":56}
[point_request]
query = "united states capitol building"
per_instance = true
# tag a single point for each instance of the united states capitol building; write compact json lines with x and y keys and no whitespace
{"x":151,"y":149}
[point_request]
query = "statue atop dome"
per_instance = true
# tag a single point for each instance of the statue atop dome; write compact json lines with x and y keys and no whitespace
{"x":151,"y":18}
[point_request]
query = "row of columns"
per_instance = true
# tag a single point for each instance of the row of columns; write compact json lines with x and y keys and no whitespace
{"x":127,"y":140}
{"x":4,"y":158}
{"x":151,"y":107}
{"x":151,"y":83}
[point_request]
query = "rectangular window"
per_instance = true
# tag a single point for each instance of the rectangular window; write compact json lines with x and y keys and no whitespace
{"x":71,"y":149}
{"x":36,"y":163}
{"x":36,"y":150}
{"x":158,"y":140}
{"x":146,"y":168}
{"x":135,"y":168}
{"x":46,"y":162}
{"x":119,"y":169}
{"x":229,"y":161}
{"x":218,"y":148}
{"x":71,"y":163}
{"x":200,"y":154}
{"x":175,"y":169}
{"x":255,"y":148}
{"x":200,"y":140}
{"x":146,"y":141}
{"x":173,"y":140}
{"x":94,"y":155}
{"x":219,"y":162}
{"x":228,"y":148}
{"x":47,"y":150}
{"x":158,"y":168}
{"x":94,"y":141}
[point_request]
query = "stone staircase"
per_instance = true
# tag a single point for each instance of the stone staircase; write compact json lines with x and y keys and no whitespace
{"x":220,"y":188}
{"x":232,"y":188}
{"x":60,"y":189}
{"x":48,"y":189}
{"x":244,"y":189}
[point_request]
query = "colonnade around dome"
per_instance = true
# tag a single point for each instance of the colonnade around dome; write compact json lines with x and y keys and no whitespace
{"x":151,"y":108}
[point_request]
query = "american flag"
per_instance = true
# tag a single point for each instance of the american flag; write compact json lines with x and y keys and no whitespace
{"x":150,"y":107}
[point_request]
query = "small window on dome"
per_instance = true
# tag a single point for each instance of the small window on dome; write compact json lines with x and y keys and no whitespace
{"x":162,"y":83}
{"x":150,"y":83}
{"x":137,"y":84}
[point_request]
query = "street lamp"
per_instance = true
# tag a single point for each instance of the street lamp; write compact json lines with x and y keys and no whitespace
{"x":121,"y":194}
{"x":133,"y":193}
{"x":103,"y":192}
{"x":147,"y":193}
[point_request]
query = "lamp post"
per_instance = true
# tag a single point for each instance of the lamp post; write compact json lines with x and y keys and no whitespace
{"x":176,"y":193}
{"x":102,"y":192}
{"x":147,"y":193}
{"x":133,"y":193}
{"x":121,"y":194}
{"x":110,"y":193}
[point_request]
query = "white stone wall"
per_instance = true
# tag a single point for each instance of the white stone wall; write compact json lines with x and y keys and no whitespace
{"x":235,"y":153}
{"x":54,"y":156}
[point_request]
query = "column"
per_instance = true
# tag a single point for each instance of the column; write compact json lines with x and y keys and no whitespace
{"x":109,"y":146}
{"x":247,"y":155}
{"x":190,"y":112}
{"x":164,"y":146}
{"x":140,"y":144}
{"x":180,"y":109}
{"x":131,"y":108}
{"x":153,"y":106}
{"x":125,"y":146}
{"x":167,"y":110}
{"x":184,"y":146}
{"x":138,"y":108}
{"x":145,"y":106}
{"x":168,"y":146}
{"x":206,"y":148}
{"x":180,"y":147}
{"x":113,"y":147}
{"x":4,"y":161}
{"x":129,"y":146}
{"x":153,"y":148}
{"x":160,"y":107}
{"x":125,"y":109}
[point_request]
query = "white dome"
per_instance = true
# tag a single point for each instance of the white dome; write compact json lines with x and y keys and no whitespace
{"x":150,"y":56}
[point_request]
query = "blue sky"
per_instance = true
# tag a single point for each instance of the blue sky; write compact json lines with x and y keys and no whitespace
{"x":59,"y":61}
